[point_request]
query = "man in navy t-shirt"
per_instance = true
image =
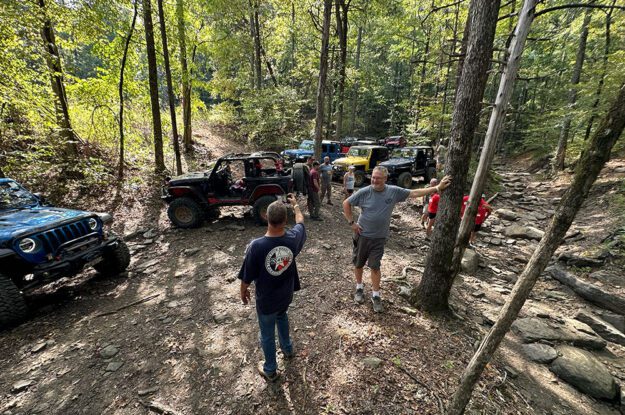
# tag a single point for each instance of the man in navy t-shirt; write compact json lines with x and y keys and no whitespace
{"x":270,"y":263}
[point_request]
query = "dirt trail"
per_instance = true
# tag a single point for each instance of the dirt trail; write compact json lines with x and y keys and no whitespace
{"x":191,"y":347}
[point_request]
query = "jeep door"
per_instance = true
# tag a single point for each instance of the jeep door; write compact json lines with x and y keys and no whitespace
{"x":378,"y":155}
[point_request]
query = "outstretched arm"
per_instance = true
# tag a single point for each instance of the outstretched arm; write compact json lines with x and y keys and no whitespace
{"x":429,"y":190}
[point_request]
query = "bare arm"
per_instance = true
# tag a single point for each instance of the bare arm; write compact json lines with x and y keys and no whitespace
{"x":299,"y":216}
{"x":347,"y":212}
{"x":245,"y":292}
{"x":429,"y":190}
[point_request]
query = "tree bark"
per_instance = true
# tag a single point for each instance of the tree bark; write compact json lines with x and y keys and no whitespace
{"x":170,"y":87}
{"x":495,"y":126}
{"x":187,"y":134}
{"x":592,"y":160}
{"x":159,"y":160}
{"x":342,"y":8}
{"x":256,"y":39}
{"x":323,"y":75}
{"x":558,"y":163}
{"x":604,"y":71}
{"x":53,"y":60}
{"x":120,"y":171}
{"x":354,"y":98}
{"x":433,"y":291}
{"x":452,"y":52}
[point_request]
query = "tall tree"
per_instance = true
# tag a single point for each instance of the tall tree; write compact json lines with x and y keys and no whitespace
{"x":433,"y":291}
{"x":187,"y":136}
{"x":120,"y":171}
{"x":255,"y":31}
{"x":323,"y":75}
{"x":558,"y":162}
{"x":342,"y":8}
{"x":592,"y":160}
{"x":354,"y":94}
{"x":170,"y":88}
{"x":495,"y":126}
{"x":159,"y":160}
{"x":55,"y":66}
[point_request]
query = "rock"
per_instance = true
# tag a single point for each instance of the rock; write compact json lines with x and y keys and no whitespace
{"x":533,"y":329}
{"x":39,"y":347}
{"x":515,"y":195}
{"x":507,"y":214}
{"x":233,"y":227}
{"x":495,"y":241}
{"x":372,"y":362}
{"x":470,"y":261}
{"x":478,"y":294}
{"x":149,"y":234}
{"x":602,"y":328}
{"x":405,"y":292}
{"x":614,"y":319}
{"x":148,"y":391}
{"x":394,"y":228}
{"x":408,"y":310}
{"x":540,"y":353}
{"x":113,"y":366}
{"x":326,"y":246}
{"x":584,"y":371}
{"x":190,"y":251}
{"x":173,"y":304}
{"x":22,"y":385}
{"x":511,"y":372}
{"x":524,"y":232}
{"x":220,"y":318}
{"x":145,"y":265}
{"x":109,"y":351}
{"x":573,"y":260}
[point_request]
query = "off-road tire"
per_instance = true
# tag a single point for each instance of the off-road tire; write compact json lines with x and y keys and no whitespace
{"x":260,"y":208}
{"x":115,"y":260}
{"x":359,"y":178}
{"x":405,"y":180}
{"x":185,"y":213}
{"x":13,"y":308}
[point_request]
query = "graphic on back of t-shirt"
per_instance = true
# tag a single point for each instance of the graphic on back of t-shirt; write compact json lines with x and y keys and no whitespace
{"x":278,"y":260}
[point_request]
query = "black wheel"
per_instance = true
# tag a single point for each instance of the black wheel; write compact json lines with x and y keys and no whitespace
{"x":12,"y":305}
{"x":260,"y":208}
{"x":115,"y":260}
{"x":405,"y":180}
{"x":359,"y":178}
{"x":185,"y":213}
{"x":212,"y":213}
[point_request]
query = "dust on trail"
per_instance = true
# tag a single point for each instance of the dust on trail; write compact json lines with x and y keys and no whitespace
{"x":178,"y":340}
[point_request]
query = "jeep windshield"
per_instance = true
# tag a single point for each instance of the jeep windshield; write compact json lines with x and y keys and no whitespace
{"x":13,"y":196}
{"x":358,"y":152}
{"x":307,"y":145}
{"x":404,"y":153}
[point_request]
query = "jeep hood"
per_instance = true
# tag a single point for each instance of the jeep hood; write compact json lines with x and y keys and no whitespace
{"x":17,"y":222}
{"x":347,"y":161}
{"x":396,"y":162}
{"x":189,"y":177}
{"x":298,"y":152}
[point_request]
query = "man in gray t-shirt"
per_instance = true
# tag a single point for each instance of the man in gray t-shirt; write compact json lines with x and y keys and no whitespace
{"x":376,"y":203}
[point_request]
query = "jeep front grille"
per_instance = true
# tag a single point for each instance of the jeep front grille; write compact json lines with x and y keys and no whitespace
{"x":51,"y":240}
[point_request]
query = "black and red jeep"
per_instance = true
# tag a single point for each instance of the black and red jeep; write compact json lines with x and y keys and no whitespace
{"x":255,"y":179}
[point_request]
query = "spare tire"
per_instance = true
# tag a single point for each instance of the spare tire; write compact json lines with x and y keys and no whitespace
{"x":359,"y":178}
{"x":13,"y":308}
{"x":260,"y":208}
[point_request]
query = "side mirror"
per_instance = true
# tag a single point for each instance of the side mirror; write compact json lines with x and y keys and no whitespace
{"x":41,"y":198}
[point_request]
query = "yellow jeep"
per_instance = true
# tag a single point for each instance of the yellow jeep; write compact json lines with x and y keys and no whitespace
{"x":363,"y":158}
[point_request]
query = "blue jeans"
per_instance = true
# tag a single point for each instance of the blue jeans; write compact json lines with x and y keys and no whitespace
{"x":267,"y":323}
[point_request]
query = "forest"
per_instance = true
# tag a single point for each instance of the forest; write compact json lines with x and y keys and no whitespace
{"x":101,"y":102}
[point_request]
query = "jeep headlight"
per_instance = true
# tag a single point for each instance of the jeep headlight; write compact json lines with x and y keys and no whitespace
{"x":93,"y":224}
{"x":28,"y":245}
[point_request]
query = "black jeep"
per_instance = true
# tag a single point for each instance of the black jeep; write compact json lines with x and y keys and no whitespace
{"x":255,"y":179}
{"x":407,"y":162}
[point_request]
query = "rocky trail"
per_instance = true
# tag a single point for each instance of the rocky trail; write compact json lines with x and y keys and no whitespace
{"x":172,"y":337}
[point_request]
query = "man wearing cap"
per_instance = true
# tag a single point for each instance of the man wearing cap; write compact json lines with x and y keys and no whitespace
{"x":376,"y":203}
{"x":349,"y":180}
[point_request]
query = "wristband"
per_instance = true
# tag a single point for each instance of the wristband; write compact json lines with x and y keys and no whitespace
{"x":295,"y":206}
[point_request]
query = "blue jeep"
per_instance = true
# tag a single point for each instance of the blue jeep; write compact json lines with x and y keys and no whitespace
{"x":331,"y":149}
{"x":40,"y":243}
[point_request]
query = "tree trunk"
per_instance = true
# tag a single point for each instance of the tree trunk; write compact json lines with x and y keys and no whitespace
{"x":452,"y":52}
{"x":53,"y":60}
{"x":120,"y":171}
{"x":433,"y":291}
{"x":323,"y":75}
{"x":558,"y":163}
{"x":342,"y":8}
{"x":269,"y":66}
{"x":354,"y":100}
{"x":170,"y":87}
{"x":159,"y":160}
{"x":187,"y":135}
{"x":592,"y":160}
{"x":604,"y":71}
{"x":495,"y":126}
{"x":256,"y":39}
{"x":424,"y":59}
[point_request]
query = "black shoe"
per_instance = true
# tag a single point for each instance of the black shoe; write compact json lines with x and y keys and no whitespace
{"x":269,"y":377}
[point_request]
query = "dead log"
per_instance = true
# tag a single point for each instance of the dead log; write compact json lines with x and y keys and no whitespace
{"x":588,"y":291}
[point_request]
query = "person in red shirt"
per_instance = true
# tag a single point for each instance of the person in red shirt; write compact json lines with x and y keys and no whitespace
{"x":483,"y":211}
{"x":314,"y":203}
{"x":432,"y":209}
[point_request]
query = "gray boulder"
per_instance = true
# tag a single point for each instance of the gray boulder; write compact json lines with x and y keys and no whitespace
{"x":470,"y":261}
{"x":523,"y":232}
{"x":507,"y":214}
{"x":602,"y":328}
{"x":540,"y":353}
{"x":533,"y":329}
{"x":584,"y":371}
